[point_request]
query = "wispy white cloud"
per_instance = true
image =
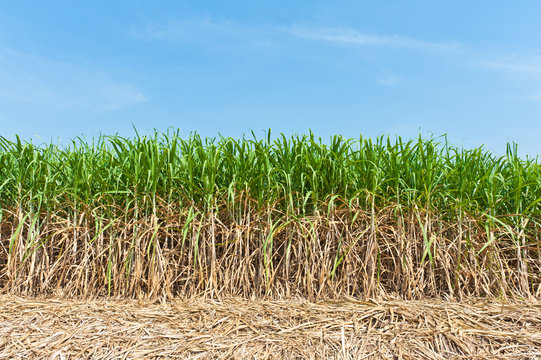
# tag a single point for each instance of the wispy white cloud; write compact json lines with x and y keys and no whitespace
{"x":209,"y":31}
{"x":388,"y":79}
{"x":352,"y":37}
{"x":216,"y":34}
{"x":522,"y":65}
{"x":186,"y":29}
{"x":534,"y":97}
{"x":29,"y":79}
{"x":522,"y":69}
{"x":117,"y":96}
{"x":206,"y":27}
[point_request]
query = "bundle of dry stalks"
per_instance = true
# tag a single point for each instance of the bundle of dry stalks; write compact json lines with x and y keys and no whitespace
{"x":345,"y":252}
{"x":243,"y":329}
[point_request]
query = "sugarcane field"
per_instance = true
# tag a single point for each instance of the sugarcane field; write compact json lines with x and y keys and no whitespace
{"x":164,"y":247}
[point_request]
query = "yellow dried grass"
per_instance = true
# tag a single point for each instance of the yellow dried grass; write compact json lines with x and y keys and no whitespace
{"x":235,"y":328}
{"x":349,"y":252}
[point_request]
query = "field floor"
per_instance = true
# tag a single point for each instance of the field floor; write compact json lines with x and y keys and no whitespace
{"x":234,"y":328}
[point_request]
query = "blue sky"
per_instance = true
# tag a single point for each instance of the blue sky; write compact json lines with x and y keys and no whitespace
{"x":471,"y":70}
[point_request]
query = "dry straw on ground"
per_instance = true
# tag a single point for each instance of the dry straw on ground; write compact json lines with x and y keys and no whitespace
{"x":265,"y":329}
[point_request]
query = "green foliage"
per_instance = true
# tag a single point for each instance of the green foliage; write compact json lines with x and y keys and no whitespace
{"x":297,"y":175}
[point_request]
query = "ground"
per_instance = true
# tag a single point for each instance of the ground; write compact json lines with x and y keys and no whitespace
{"x":233,"y":328}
